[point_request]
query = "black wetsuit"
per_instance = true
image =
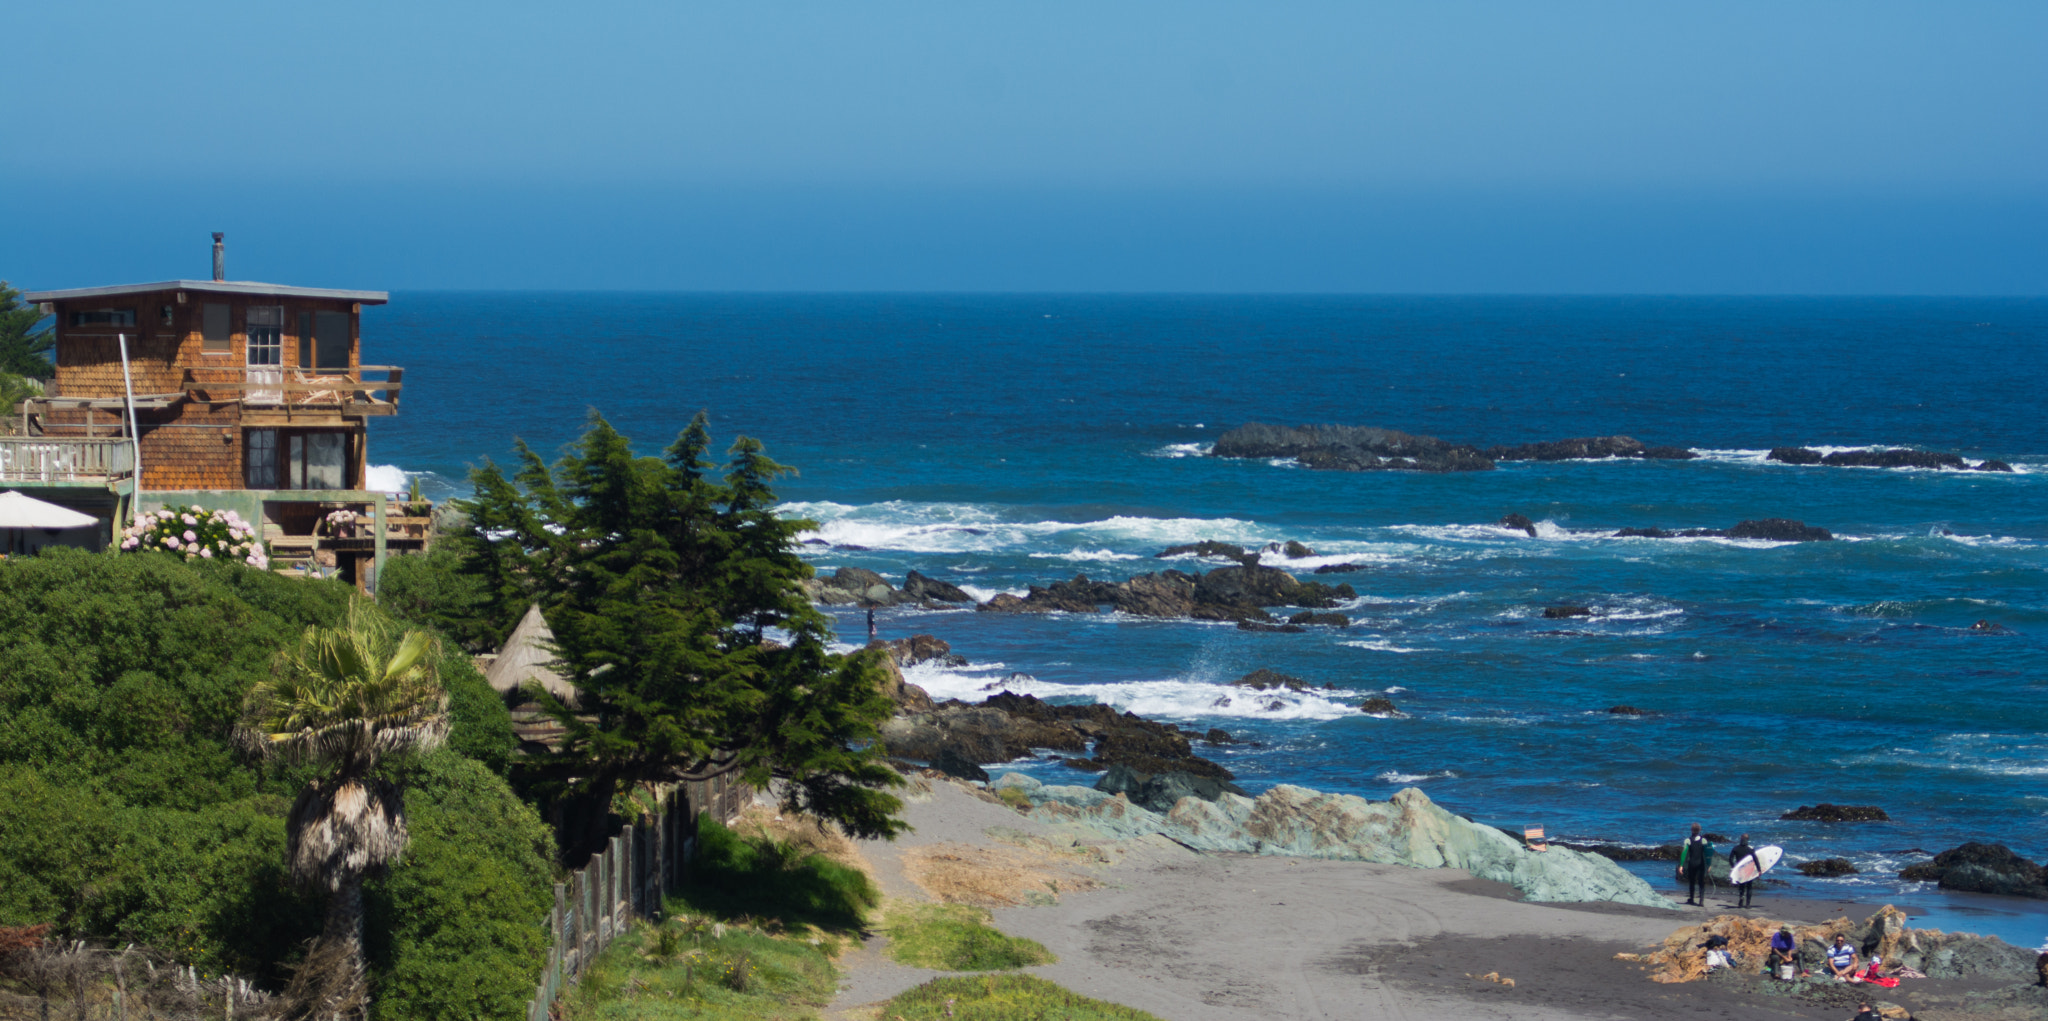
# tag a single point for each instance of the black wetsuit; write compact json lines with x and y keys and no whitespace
{"x":1697,"y":853}
{"x":1735,"y":856}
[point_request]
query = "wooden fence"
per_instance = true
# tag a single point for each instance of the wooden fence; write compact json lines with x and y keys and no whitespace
{"x":630,"y":879}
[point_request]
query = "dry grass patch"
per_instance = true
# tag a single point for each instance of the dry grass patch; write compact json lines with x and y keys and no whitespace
{"x":805,"y":832}
{"x":997,"y":877}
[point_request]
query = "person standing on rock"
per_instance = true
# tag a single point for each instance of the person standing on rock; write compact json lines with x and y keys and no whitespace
{"x":1693,"y":858}
{"x":1736,"y":854}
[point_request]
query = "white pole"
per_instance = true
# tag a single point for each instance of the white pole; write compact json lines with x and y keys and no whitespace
{"x":134,"y":439}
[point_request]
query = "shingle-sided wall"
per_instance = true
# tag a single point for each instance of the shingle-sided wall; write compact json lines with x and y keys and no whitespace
{"x":193,"y":446}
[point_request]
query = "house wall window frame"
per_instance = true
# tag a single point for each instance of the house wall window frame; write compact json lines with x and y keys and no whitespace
{"x":300,"y":459}
{"x":102,"y":317}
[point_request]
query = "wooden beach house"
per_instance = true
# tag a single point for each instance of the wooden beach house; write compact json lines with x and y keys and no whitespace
{"x":223,"y":394}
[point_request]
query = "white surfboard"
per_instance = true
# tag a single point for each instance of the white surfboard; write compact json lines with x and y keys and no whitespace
{"x":1756,"y":864}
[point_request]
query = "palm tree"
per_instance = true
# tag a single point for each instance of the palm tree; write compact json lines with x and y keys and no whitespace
{"x":344,"y":698}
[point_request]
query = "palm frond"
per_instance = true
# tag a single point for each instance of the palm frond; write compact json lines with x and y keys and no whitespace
{"x":349,"y":695}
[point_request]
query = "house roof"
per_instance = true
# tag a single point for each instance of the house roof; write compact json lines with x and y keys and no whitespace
{"x":526,"y":656}
{"x":212,"y":287}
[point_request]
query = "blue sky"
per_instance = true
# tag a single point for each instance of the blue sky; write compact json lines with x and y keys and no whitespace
{"x":1411,"y":147}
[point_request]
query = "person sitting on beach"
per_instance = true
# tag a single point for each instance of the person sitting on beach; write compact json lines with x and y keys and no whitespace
{"x":1784,"y":950}
{"x":1842,"y":960}
{"x":1865,"y":1013}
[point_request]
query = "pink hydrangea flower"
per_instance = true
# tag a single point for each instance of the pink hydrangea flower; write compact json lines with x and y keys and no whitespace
{"x":171,"y":541}
{"x":191,"y":536}
{"x":207,"y":553}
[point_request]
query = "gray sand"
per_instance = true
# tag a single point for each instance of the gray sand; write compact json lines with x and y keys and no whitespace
{"x":1195,"y":937}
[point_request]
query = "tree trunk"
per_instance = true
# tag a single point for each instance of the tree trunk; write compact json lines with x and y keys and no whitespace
{"x":331,"y":985}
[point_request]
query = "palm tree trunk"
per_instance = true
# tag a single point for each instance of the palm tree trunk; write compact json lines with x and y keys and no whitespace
{"x":331,"y":984}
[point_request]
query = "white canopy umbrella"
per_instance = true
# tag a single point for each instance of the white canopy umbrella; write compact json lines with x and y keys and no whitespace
{"x":19,"y":511}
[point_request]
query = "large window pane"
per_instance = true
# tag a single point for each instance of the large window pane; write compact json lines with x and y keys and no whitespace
{"x":214,"y":328}
{"x":330,"y":341}
{"x":326,"y":460}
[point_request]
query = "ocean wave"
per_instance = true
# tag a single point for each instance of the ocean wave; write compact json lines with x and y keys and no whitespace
{"x":1183,"y":449}
{"x":949,"y":528}
{"x":1168,"y":699}
{"x":1088,"y":556}
{"x":1395,"y":776}
{"x":1382,"y":645}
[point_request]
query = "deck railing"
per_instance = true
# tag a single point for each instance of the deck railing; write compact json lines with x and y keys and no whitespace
{"x":288,"y":386}
{"x":42,"y":459}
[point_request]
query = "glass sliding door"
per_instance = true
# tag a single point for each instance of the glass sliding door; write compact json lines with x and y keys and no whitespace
{"x":259,"y":459}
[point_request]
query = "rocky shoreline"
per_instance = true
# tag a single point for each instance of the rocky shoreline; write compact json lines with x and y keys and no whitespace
{"x":1371,"y":448}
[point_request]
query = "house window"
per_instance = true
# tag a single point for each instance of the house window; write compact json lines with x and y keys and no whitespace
{"x":330,"y":341}
{"x":103,"y":317}
{"x":266,"y":335}
{"x":217,"y":334}
{"x":167,"y":315}
{"x":259,"y":459}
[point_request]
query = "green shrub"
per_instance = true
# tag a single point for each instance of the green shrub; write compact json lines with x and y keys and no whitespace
{"x":760,"y":877}
{"x":479,"y":725}
{"x":743,"y":975}
{"x":956,"y":937}
{"x":1003,"y":998}
{"x":458,"y":929}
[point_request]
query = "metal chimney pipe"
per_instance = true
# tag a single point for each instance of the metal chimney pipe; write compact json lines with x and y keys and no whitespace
{"x":220,"y":257}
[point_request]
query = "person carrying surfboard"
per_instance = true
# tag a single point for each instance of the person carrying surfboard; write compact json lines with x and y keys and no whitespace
{"x":1693,"y":858}
{"x":1736,"y":854}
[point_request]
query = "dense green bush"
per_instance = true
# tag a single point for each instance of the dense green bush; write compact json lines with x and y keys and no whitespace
{"x":127,"y":813}
{"x":458,"y":929}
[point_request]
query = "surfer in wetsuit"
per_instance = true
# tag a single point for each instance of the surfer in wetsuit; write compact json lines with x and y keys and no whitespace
{"x":1693,"y":857}
{"x":1740,"y":851}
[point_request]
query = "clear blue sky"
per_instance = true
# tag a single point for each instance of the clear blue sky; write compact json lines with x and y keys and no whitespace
{"x":1420,"y":147}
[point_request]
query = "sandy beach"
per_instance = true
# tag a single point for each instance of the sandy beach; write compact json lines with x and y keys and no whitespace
{"x":1208,"y":937}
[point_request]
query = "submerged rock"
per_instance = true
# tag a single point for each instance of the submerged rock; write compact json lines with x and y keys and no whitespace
{"x":1520,"y":522}
{"x":1993,"y":465}
{"x":1828,"y":867}
{"x":1378,"y":705}
{"x":1825,"y":812}
{"x":1207,"y":548}
{"x":1794,"y":455}
{"x":1407,"y":830}
{"x":1780,"y":530}
{"x":1263,"y":679}
{"x":1564,"y":612}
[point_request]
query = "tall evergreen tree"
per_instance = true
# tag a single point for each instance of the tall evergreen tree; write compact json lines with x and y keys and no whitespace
{"x":678,"y":608}
{"x":23,"y":348}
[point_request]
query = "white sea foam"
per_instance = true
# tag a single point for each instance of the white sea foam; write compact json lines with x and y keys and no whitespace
{"x":912,"y":527}
{"x":1382,"y":645}
{"x":1087,"y":556}
{"x":1183,"y":449}
{"x":1170,"y":698}
{"x":1394,"y":776}
{"x":385,"y":478}
{"x":983,"y":595}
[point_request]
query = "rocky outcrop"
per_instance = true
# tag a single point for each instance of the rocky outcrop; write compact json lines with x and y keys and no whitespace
{"x":1680,"y":958}
{"x":1627,"y":710}
{"x":1565,"y":612}
{"x":1295,"y":551}
{"x":1312,"y":617}
{"x":1378,"y":705}
{"x":1008,"y":726}
{"x":858,"y":586}
{"x":1588,"y":447}
{"x":1349,"y":448}
{"x":908,"y":697}
{"x":920,"y":649}
{"x":1407,"y":830}
{"x":1159,"y":792}
{"x":1983,"y":868}
{"x":1263,"y":679}
{"x":1519,"y":522}
{"x":1207,"y":548}
{"x":1896,"y":457}
{"x":918,"y":586}
{"x":1238,"y":593}
{"x":1825,"y":812}
{"x":950,"y":762}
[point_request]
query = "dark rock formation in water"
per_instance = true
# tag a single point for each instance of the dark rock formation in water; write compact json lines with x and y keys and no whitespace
{"x":1983,"y":868}
{"x":1378,"y":705}
{"x":1209,"y":548}
{"x":1263,"y":679}
{"x":1349,"y":448}
{"x":1340,"y":568}
{"x":1828,"y":867}
{"x":1773,"y":529}
{"x":918,"y":586}
{"x":1009,"y":726}
{"x":1519,"y":521}
{"x":1238,"y":593}
{"x":1587,"y":448}
{"x":1825,"y":812}
{"x":1563,"y":612}
{"x":1627,"y":710}
{"x":1896,"y":457}
{"x":1320,"y":619}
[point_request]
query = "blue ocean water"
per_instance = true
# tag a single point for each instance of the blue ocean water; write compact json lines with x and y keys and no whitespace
{"x":1000,"y":441}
